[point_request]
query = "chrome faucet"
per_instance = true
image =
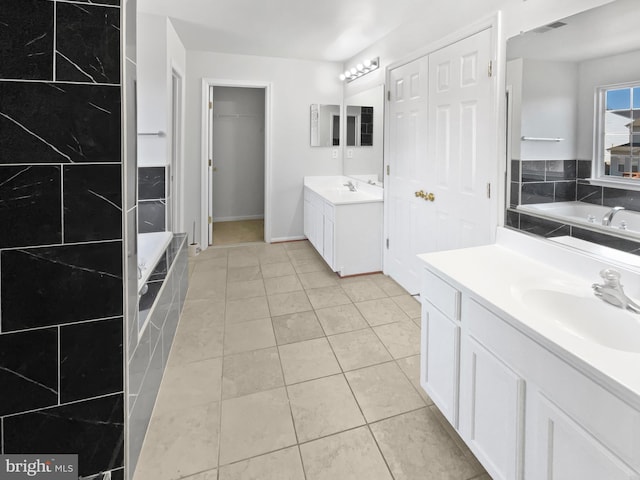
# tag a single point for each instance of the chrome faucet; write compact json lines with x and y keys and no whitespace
{"x":352,"y":187}
{"x":606,"y":220}
{"x":611,"y":291}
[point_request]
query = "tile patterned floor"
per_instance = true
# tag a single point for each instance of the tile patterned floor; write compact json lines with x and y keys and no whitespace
{"x":281,"y":370}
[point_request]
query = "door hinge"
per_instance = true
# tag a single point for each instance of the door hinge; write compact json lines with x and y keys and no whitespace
{"x":488,"y":190}
{"x":388,"y":170}
{"x":490,"y":69}
{"x":210,"y":105}
{"x":210,"y":162}
{"x":387,"y":244}
{"x":388,"y":95}
{"x":210,"y":219}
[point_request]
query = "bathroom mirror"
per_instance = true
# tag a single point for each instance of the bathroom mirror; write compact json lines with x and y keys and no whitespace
{"x":363,"y":150}
{"x":359,"y":126}
{"x":573,"y":143}
{"x":325,"y":125}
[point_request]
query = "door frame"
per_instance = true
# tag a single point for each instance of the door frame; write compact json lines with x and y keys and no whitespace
{"x":178,"y":200}
{"x":498,"y":47}
{"x":207,"y":83}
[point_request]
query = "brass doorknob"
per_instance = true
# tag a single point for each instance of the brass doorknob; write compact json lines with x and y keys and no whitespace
{"x":420,"y":194}
{"x":431,"y":197}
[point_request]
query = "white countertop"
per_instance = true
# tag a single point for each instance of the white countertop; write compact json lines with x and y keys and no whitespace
{"x":496,"y":275}
{"x":333,"y":189}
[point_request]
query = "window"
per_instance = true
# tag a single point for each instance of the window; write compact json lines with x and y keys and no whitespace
{"x":617,"y":143}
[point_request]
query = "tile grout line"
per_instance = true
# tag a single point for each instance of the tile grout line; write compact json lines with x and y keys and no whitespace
{"x":224,"y":333}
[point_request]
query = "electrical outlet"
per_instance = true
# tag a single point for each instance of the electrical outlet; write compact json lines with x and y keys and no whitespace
{"x":350,"y":153}
{"x":334,"y":153}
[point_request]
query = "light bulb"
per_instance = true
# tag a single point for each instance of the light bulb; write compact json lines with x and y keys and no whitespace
{"x":354,"y":71}
{"x":347,"y":74}
{"x":367,"y":63}
{"x":360,"y":67}
{"x":342,"y":77}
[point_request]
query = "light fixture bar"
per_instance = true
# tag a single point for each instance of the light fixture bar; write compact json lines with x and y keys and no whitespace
{"x":366,"y":66}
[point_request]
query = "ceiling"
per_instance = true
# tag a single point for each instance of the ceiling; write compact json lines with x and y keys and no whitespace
{"x":331,"y":30}
{"x":599,"y":32}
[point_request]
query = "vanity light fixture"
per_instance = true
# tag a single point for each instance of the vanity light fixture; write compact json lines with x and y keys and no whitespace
{"x":360,"y":69}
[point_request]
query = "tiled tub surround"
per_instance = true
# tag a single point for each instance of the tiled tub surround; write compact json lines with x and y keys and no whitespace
{"x":152,"y":199}
{"x":160,"y":307}
{"x":61,"y":245}
{"x":536,"y":181}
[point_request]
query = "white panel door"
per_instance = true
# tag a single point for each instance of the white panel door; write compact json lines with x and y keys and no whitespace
{"x":461,"y":147}
{"x":407,"y":162}
{"x":565,"y":451}
{"x":439,"y":354}
{"x":442,"y":142}
{"x":491,"y":410}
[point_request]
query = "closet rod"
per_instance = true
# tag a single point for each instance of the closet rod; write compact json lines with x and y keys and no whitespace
{"x":152,"y":134}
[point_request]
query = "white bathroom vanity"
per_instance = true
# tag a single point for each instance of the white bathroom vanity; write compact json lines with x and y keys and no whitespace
{"x":539,"y":376}
{"x":343,"y":221}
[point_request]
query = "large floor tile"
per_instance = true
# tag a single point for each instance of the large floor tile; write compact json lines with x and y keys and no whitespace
{"x":351,"y":455}
{"x":327,"y":297}
{"x":411,"y":368}
{"x":417,"y":447}
{"x":202,"y":312}
{"x":410,"y":305}
{"x":285,"y":303}
{"x":279,"y":269}
{"x":197,"y":338}
{"x":238,"y":259}
{"x":320,"y":279}
{"x":246,"y":336}
{"x":246,"y":289}
{"x":255,"y":424}
{"x":285,"y":284}
{"x":281,"y":465}
{"x":358,"y":349}
{"x":340,"y":319}
{"x":208,"y":475}
{"x":383,"y":391}
{"x":362,"y":290}
{"x":402,"y":339}
{"x":388,"y":285}
{"x":185,"y":386}
{"x":242,"y":274}
{"x":381,"y":311}
{"x":209,"y":289}
{"x":180,"y":443}
{"x":307,"y":360}
{"x":247,"y":309}
{"x":297,"y":327}
{"x":251,"y":372}
{"x":310,"y":264}
{"x":322,"y":407}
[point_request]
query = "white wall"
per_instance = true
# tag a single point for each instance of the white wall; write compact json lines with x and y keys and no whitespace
{"x":596,"y":73}
{"x":549,"y":109}
{"x":295,"y":85}
{"x":159,"y":50}
{"x":238,"y":153}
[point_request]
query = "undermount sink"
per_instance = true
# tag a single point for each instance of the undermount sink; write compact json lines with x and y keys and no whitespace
{"x":587,"y":317}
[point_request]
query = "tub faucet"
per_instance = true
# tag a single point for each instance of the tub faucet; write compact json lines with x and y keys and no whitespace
{"x":606,"y":220}
{"x":611,"y":291}
{"x":139,"y":272}
{"x":352,"y":187}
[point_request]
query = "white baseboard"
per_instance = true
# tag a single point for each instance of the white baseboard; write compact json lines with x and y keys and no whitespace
{"x":288,"y":239}
{"x":238,"y":218}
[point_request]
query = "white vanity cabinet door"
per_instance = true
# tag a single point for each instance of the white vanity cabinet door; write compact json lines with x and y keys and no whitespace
{"x":562,"y":450}
{"x":440,"y":352}
{"x":328,"y":242}
{"x":491,"y":410}
{"x":313,"y":219}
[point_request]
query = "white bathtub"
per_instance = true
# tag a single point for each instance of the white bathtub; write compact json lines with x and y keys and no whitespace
{"x":580,"y":212}
{"x":151,"y":246}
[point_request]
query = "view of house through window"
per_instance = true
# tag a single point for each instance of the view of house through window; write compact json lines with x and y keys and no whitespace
{"x":620,"y":134}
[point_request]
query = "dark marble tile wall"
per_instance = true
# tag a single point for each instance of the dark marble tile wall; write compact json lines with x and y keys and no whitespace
{"x":61,"y":245}
{"x":152,"y":199}
{"x":542,"y":181}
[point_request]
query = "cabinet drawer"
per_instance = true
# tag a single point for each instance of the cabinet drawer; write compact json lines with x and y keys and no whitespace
{"x":441,"y":294}
{"x":329,"y":211}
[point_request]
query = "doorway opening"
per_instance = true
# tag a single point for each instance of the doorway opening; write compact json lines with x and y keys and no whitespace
{"x":237,"y":159}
